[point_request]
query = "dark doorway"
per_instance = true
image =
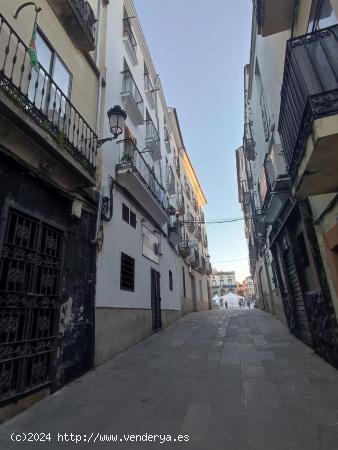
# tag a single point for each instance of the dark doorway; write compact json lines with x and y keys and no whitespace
{"x":156,"y":299}
{"x":193,"y":294}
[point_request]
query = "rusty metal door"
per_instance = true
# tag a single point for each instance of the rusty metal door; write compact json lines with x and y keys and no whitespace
{"x":31,"y":260}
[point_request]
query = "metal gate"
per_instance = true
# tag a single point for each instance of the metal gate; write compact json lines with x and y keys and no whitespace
{"x":30,"y":271}
{"x":156,"y":299}
{"x":303,"y":328}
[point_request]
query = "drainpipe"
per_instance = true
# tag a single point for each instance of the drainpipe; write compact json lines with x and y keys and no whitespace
{"x":98,"y":110}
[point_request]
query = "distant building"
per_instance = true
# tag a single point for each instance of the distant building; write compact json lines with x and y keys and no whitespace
{"x":223,"y":282}
{"x":248,"y":287}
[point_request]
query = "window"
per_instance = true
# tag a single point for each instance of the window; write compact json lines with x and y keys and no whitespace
{"x":150,"y":244}
{"x":132,"y":219}
{"x":127,"y":278}
{"x":125,"y":213}
{"x":184,"y":288}
{"x":61,"y":76}
{"x":128,"y":216}
{"x":322,"y":15}
{"x":170,"y":280}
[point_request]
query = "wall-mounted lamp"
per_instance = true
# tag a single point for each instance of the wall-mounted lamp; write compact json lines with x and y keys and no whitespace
{"x":117,"y":117}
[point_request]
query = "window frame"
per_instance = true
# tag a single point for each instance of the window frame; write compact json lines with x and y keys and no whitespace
{"x":55,"y":55}
{"x":132,"y":285}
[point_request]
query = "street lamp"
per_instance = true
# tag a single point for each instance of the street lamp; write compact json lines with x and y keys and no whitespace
{"x":116,"y":117}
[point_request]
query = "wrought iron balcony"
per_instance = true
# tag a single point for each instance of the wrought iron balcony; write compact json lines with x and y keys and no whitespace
{"x":248,"y":142}
{"x":183,"y":248}
{"x":175,"y":230}
{"x":132,"y":98}
{"x":190,"y":220}
{"x":180,"y":204}
{"x":310,"y":93}
{"x":129,"y":41}
{"x":170,"y":180}
{"x":177,"y":165}
{"x":153,"y":140}
{"x":149,"y":91}
{"x":194,"y":258}
{"x":167,"y":139}
{"x":208,"y":268}
{"x":78,"y":19}
{"x":134,"y":173}
{"x":187,"y":190}
{"x":39,"y":97}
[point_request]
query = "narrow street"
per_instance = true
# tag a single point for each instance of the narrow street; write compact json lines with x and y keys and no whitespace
{"x":230,"y":379}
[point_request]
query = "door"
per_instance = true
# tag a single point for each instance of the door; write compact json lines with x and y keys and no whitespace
{"x":193,"y":294}
{"x":31,"y":262}
{"x":303,"y":327}
{"x":156,"y":299}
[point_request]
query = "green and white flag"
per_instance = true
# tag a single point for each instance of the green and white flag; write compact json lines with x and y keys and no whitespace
{"x":32,"y":53}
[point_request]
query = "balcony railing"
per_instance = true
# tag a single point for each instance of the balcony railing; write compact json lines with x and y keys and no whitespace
{"x":129,"y":87}
{"x":130,"y":41}
{"x":153,"y":139}
{"x":177,"y":165}
{"x":131,"y":158}
{"x":180,"y":204}
{"x":149,"y":90}
{"x":187,"y":190}
{"x":79,"y":21}
{"x":36,"y":93}
{"x":175,"y":230}
{"x":309,"y":91}
{"x":195,"y":258}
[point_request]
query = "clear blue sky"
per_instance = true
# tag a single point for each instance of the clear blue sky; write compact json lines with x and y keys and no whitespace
{"x":199,"y":49}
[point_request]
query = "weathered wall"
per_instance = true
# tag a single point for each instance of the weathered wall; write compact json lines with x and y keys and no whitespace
{"x":76,"y":334}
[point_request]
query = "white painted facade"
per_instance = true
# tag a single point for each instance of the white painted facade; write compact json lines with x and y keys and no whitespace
{"x":117,"y":236}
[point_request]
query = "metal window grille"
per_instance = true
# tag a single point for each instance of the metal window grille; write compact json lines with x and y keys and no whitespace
{"x":127,"y":280}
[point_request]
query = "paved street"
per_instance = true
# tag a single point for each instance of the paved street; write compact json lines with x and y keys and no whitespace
{"x":229,"y":379}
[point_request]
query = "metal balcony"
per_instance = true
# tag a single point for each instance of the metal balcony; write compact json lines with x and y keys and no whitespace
{"x":153,"y":140}
{"x":194,"y":258}
{"x":78,"y":19}
{"x":133,"y":173}
{"x":132,"y":99}
{"x":167,"y":139}
{"x":28,"y":94}
{"x":309,"y":106}
{"x":170,"y":180}
{"x":149,"y":91}
{"x":183,"y":248}
{"x":175,"y":230}
{"x":129,"y":41}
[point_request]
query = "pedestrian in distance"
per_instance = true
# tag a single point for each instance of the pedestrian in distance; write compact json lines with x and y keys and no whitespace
{"x":248,"y":304}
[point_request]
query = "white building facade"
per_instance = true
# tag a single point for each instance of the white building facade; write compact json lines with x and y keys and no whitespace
{"x":141,"y":284}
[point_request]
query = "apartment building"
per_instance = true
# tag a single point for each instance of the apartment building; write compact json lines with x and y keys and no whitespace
{"x":51,"y":62}
{"x":144,"y":278}
{"x":289,"y":151}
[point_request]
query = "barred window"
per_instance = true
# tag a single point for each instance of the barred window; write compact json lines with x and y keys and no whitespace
{"x":127,"y":279}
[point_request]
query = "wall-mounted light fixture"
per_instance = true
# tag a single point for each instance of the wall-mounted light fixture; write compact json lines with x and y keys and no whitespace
{"x":117,"y":117}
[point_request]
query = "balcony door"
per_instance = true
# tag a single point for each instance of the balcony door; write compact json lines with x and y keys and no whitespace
{"x":50,"y":86}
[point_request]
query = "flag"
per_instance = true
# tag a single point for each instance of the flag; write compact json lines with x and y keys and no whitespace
{"x":33,"y":56}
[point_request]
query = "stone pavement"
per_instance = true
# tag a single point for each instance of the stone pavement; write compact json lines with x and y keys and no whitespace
{"x":230,"y":379}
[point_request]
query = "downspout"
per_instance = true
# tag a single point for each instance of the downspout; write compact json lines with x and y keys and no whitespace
{"x":98,"y":110}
